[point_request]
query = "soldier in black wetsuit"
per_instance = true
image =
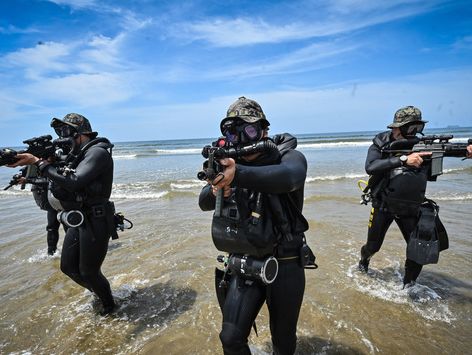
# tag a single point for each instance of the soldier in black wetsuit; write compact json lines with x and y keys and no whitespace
{"x":279,"y":173}
{"x":39,"y":189}
{"x":40,"y":194}
{"x":414,"y":174}
{"x":85,"y":189}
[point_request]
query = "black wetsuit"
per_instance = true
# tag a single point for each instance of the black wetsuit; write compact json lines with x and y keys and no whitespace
{"x":284,"y":296}
{"x":39,"y":190}
{"x":380,"y":217}
{"x":84,"y":248}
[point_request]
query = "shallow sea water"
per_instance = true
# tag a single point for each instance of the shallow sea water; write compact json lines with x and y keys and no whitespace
{"x":161,"y":272}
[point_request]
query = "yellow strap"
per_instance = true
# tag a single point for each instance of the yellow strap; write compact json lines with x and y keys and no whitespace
{"x":360,"y":182}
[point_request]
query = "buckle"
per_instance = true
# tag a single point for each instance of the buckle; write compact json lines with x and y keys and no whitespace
{"x":98,"y":211}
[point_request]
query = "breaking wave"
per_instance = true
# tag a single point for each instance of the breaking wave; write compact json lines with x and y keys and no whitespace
{"x":335,"y":177}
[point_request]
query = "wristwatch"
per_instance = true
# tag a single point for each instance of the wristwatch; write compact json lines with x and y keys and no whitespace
{"x":403,"y":159}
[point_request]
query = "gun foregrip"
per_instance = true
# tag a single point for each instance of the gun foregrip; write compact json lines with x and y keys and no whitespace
{"x":219,"y":202}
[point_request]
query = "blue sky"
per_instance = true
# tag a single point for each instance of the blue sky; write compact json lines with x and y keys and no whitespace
{"x":145,"y":70}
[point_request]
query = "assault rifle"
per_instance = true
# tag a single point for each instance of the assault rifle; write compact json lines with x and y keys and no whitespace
{"x":211,"y":167}
{"x":29,"y":174}
{"x":16,"y":179}
{"x":213,"y":170}
{"x":41,"y":147}
{"x":438,"y":145}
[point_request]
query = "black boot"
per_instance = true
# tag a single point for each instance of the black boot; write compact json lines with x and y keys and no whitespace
{"x":365,"y":259}
{"x":108,"y":308}
{"x":52,"y":239}
{"x":412,"y":271}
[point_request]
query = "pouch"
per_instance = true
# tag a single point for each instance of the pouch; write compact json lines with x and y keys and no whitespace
{"x":423,"y":245}
{"x":307,"y":257}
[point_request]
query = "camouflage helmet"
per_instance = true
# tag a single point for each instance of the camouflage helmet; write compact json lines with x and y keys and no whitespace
{"x":78,"y":122}
{"x":246,"y":109}
{"x":406,"y":115}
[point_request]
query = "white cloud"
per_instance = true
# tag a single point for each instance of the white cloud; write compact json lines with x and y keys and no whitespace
{"x":443,"y":96}
{"x":101,"y":51}
{"x":96,"y":54}
{"x":76,"y":4}
{"x":11,"y":29}
{"x":328,"y":18}
{"x":240,"y":31}
{"x":40,"y":59}
{"x":126,"y":19}
{"x":464,"y":43}
{"x":85,"y":73}
{"x":312,"y":57}
{"x":81,"y":90}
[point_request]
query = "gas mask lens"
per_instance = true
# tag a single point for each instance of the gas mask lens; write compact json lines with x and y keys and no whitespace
{"x":241,"y":132}
{"x":412,"y":129}
{"x":65,"y":131}
{"x":251,"y":132}
{"x":230,"y":131}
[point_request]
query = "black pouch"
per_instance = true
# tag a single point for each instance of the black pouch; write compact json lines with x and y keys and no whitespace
{"x":110,"y":214}
{"x":240,"y":231}
{"x":307,"y":257}
{"x":423,"y":245}
{"x":242,"y":237}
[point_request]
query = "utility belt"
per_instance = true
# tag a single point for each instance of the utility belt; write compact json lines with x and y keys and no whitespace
{"x":104,"y":211}
{"x":265,"y":269}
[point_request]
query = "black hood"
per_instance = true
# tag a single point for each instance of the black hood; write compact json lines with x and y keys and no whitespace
{"x":285,"y":142}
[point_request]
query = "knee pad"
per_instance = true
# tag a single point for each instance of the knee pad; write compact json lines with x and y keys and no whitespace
{"x":232,"y":339}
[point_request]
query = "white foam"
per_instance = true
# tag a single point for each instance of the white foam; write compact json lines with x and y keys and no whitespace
{"x":187,"y":184}
{"x":453,"y":170}
{"x":125,"y":156}
{"x":452,"y":197}
{"x":388,"y":286}
{"x":366,"y":341}
{"x":335,"y":177}
{"x":139,"y":195}
{"x":41,"y":255}
{"x":178,"y":151}
{"x":15,"y":191}
{"x":334,"y":145}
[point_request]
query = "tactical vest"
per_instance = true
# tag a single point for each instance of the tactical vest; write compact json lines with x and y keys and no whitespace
{"x":405,"y":190}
